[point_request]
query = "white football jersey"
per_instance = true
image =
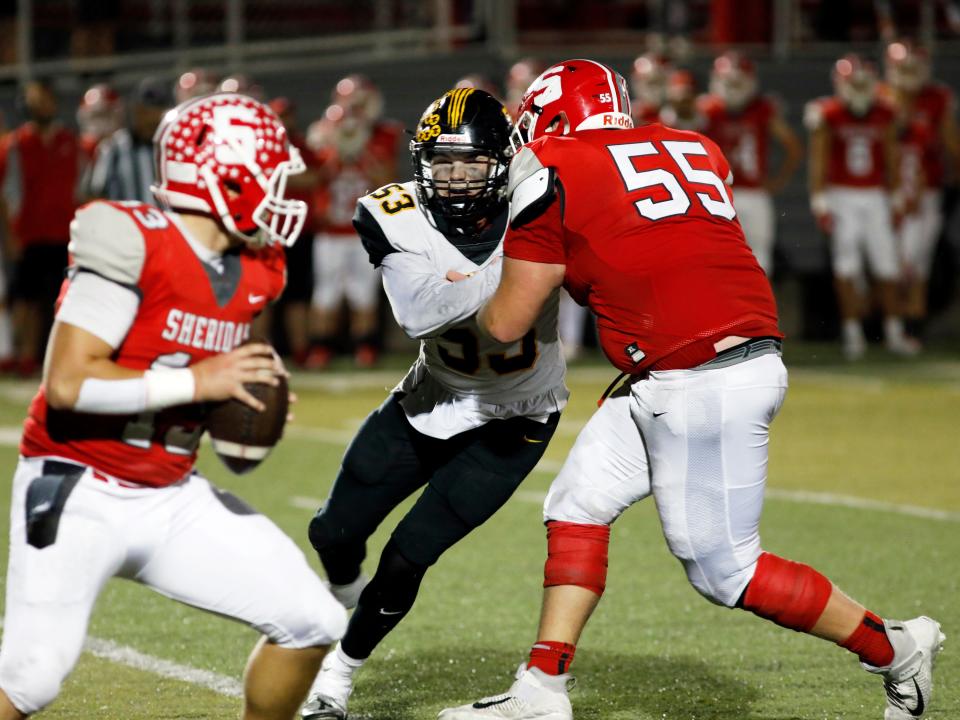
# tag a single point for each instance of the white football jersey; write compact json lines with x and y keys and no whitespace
{"x":462,"y":377}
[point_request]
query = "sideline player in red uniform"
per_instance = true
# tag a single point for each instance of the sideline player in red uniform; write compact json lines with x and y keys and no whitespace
{"x":685,"y":309}
{"x":920,"y":100}
{"x":855,"y":194}
{"x":357,"y":151}
{"x":742,"y":121}
{"x":149,"y":325}
{"x":648,"y":83}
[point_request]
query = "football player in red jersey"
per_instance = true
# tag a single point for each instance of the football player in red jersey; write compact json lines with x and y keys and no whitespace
{"x":685,"y":310}
{"x":855,"y":194}
{"x":648,"y":83}
{"x":358,"y":153}
{"x":742,"y":121}
{"x":921,"y":100}
{"x":150,"y":326}
{"x":682,"y":108}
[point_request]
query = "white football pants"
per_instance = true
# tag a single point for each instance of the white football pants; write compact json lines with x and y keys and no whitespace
{"x":697,"y":441}
{"x":183,"y":541}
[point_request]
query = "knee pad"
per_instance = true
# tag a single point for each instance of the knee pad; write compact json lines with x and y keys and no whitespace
{"x":791,"y":594}
{"x":340,"y":554}
{"x":395,"y":584}
{"x":32,"y":679}
{"x":577,"y":555}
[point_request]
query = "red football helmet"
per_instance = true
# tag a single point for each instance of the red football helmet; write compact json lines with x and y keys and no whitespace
{"x":907,"y":66}
{"x":228,"y":156}
{"x":648,"y":78}
{"x":100,"y":112}
{"x":572,"y":95}
{"x":855,"y":82}
{"x":734,"y":79}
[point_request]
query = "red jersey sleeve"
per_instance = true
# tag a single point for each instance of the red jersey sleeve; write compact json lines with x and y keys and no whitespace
{"x":541,"y":239}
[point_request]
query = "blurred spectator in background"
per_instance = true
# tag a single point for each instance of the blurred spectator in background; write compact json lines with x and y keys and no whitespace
{"x":648,"y":84}
{"x":357,"y":151}
{"x":124,"y":164}
{"x":478,"y":81}
{"x":742,"y":121}
{"x":520,"y":76}
{"x":854,"y":189}
{"x":242,"y":84}
{"x":682,"y":111}
{"x":99,"y":115}
{"x":295,"y":301}
{"x":43,"y":165}
{"x":922,"y":102}
{"x":194,"y":83}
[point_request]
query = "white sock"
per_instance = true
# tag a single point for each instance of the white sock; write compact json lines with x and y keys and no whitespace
{"x":893,"y":329}
{"x":344,"y":664}
{"x":852,"y":332}
{"x":6,"y":335}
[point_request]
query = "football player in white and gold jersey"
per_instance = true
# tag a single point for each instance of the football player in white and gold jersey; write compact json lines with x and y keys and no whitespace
{"x":471,"y":418}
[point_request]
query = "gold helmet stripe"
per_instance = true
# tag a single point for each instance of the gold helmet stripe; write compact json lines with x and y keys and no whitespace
{"x":456,"y":113}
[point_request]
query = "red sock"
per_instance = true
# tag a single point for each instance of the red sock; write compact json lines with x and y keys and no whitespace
{"x":553,"y":658}
{"x":870,"y":642}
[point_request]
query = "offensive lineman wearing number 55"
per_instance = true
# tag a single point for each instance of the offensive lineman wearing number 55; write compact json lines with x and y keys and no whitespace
{"x":471,"y":418}
{"x":149,"y":325}
{"x":639,"y":224}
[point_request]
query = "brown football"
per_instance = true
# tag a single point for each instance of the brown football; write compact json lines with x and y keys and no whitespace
{"x":243,"y":437}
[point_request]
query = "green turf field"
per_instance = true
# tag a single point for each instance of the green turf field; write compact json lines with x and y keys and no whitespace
{"x":887,"y":432}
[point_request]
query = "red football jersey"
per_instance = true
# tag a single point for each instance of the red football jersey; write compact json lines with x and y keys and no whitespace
{"x":648,"y":233}
{"x":188,"y":311}
{"x":744,"y":136}
{"x":856,"y":150}
{"x":352,"y":178}
{"x":50,"y":166}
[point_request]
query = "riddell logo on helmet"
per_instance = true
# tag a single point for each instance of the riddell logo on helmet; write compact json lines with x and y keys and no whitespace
{"x":616,"y":120}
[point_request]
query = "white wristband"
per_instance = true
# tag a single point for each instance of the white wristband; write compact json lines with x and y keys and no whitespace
{"x":157,"y":389}
{"x":166,"y":388}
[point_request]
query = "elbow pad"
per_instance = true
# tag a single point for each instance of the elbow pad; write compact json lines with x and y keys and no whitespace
{"x":532,"y":197}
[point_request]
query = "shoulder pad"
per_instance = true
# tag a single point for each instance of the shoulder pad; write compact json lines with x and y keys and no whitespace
{"x":371,"y":235}
{"x":532,"y":196}
{"x":106,"y":240}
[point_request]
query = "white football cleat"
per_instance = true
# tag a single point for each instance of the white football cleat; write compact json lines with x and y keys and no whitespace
{"x":534,"y":695}
{"x":331,"y":690}
{"x":349,"y":595}
{"x":908,"y":680}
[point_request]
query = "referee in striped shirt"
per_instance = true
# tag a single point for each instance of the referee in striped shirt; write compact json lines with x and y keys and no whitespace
{"x":123,"y":169}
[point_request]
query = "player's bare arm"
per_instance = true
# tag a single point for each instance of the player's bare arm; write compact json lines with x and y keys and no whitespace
{"x":514,"y":307}
{"x":792,"y":154}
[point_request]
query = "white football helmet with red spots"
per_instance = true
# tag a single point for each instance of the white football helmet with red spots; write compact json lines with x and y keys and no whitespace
{"x":228,"y":156}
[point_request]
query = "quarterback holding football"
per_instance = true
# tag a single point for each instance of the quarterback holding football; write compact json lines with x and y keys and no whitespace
{"x":150,"y":324}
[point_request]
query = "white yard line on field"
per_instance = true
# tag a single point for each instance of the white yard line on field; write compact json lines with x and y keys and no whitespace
{"x":125,"y":655}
